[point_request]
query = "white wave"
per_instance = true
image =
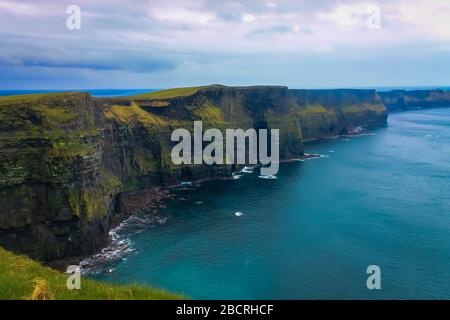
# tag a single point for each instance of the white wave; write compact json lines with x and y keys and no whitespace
{"x":270,"y":177}
{"x":120,"y":245}
{"x":320,"y":156}
{"x":356,"y":135}
{"x":248,"y":169}
{"x":357,"y":130}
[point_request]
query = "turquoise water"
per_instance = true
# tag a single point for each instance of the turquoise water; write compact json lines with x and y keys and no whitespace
{"x":378,"y":199}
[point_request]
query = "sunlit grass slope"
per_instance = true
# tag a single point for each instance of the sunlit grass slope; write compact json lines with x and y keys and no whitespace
{"x":169,"y":93}
{"x":22,"y":278}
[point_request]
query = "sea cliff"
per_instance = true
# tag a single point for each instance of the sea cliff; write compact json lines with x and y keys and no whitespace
{"x":398,"y":100}
{"x":68,"y":161}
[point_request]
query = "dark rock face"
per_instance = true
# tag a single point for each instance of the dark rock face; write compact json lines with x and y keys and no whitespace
{"x":327,"y":113}
{"x":51,"y":166}
{"x":68,"y":161}
{"x":414,"y":99}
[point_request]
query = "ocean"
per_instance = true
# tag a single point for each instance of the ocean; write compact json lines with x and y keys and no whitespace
{"x":106,"y":93}
{"x":381,"y":198}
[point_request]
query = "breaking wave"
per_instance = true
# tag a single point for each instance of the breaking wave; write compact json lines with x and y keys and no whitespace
{"x":121,"y":245}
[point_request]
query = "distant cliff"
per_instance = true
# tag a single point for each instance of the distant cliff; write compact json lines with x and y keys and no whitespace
{"x":68,"y":159}
{"x":414,"y":99}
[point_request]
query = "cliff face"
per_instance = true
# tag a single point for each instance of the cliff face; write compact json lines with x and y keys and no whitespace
{"x":414,"y":99}
{"x":68,"y":160}
{"x":325,"y":113}
{"x":55,"y":193}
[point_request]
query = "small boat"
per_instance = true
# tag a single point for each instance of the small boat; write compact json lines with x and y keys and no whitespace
{"x":238,"y":214}
{"x":186,"y":184}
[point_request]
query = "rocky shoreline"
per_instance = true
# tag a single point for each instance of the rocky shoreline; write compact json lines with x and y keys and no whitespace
{"x":146,"y":202}
{"x":142,"y":202}
{"x":71,"y":163}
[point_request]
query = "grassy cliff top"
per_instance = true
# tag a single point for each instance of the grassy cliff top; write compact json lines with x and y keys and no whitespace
{"x":189,"y":91}
{"x":168,"y":93}
{"x":22,"y":278}
{"x":34,"y":97}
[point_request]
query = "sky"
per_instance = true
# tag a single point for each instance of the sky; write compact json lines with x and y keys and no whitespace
{"x":177,"y":43}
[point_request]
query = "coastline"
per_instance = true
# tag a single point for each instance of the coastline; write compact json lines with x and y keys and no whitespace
{"x":146,"y":202}
{"x":124,"y":145}
{"x":149,"y":201}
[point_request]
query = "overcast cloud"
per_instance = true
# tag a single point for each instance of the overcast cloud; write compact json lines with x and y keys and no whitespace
{"x":158,"y":44}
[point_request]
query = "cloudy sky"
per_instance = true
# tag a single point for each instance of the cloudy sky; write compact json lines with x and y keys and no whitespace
{"x":161,"y":43}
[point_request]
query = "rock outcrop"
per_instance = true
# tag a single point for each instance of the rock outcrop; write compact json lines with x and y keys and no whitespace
{"x":68,"y":160}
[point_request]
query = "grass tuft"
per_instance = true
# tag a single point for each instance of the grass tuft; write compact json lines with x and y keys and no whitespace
{"x":41,"y":291}
{"x":22,"y":278}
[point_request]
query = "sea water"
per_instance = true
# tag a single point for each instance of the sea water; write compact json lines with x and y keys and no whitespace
{"x":381,"y":198}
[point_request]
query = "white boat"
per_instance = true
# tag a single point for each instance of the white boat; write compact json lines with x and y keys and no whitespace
{"x":238,"y":214}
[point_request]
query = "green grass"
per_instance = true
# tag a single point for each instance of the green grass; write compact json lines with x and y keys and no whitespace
{"x":169,"y":93}
{"x":363,"y":107}
{"x":22,"y":278}
{"x":23,"y":98}
{"x":210,"y":114}
{"x":132,"y":114}
{"x":311,"y":109}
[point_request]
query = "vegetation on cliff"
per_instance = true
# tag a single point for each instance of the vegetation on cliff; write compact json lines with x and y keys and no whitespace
{"x":168,"y":93}
{"x":22,"y":278}
{"x":66,"y":158}
{"x":415,"y":99}
{"x":50,"y":175}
